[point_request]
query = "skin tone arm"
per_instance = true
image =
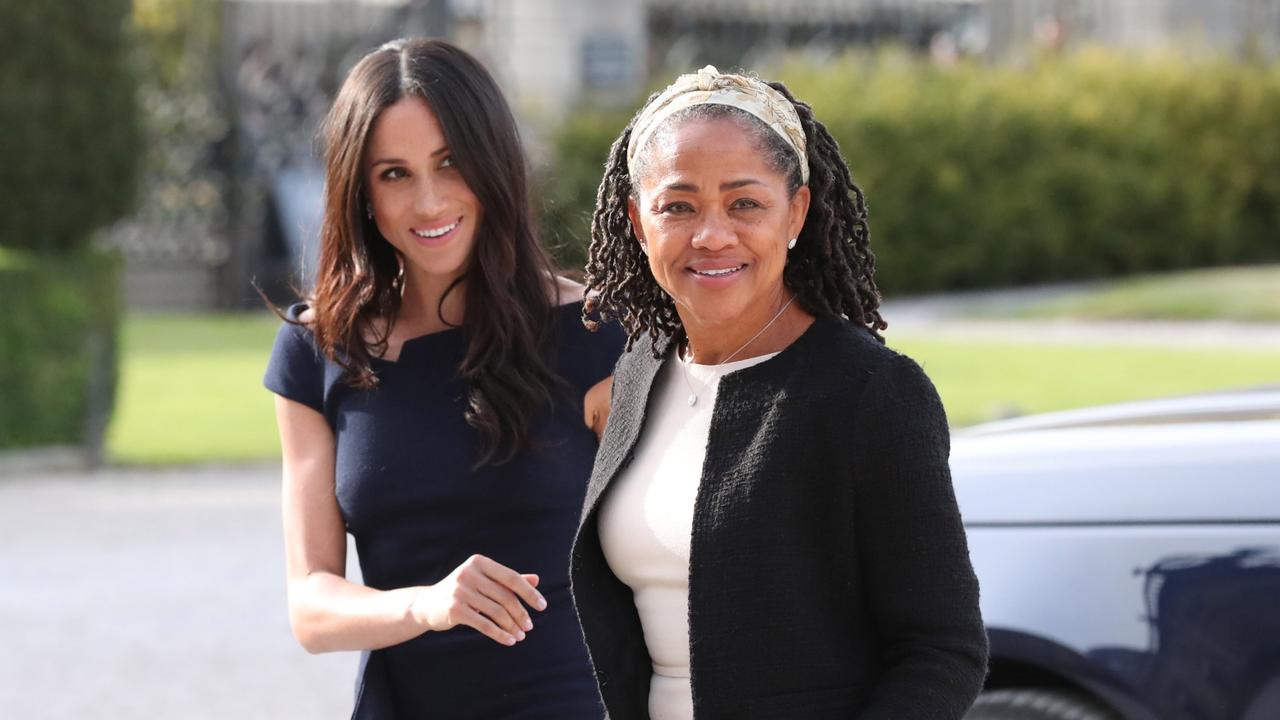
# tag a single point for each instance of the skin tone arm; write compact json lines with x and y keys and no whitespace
{"x":595,"y":406}
{"x":329,"y":612}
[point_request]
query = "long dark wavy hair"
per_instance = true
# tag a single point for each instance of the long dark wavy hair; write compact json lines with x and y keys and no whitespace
{"x":831,"y":271}
{"x":510,"y":279}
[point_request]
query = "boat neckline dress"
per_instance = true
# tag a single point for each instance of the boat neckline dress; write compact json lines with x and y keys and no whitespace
{"x":411,"y":498}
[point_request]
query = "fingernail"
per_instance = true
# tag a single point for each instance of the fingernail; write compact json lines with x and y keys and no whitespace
{"x":528,"y":625}
{"x":520,"y":636}
{"x":510,"y":641}
{"x":542,"y":603}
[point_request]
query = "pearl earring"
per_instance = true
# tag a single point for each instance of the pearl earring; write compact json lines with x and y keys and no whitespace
{"x":368,"y":210}
{"x":792,"y":245}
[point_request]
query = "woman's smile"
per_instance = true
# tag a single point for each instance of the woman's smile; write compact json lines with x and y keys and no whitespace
{"x":437,"y":235}
{"x":712,"y":274}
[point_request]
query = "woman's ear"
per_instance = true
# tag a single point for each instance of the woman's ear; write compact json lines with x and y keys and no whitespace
{"x":633,"y":213}
{"x":799,"y":211}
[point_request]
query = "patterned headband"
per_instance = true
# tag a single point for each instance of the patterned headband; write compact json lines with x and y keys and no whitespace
{"x":709,"y":86}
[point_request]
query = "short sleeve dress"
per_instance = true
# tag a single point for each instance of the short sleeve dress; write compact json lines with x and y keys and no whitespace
{"x":416,"y":508}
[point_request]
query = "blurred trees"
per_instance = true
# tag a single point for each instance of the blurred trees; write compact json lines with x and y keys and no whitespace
{"x":70,"y":145}
{"x":71,"y":135}
{"x":182,"y":214}
{"x":1087,"y":165}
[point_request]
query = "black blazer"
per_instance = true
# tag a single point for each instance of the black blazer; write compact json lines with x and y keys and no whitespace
{"x":829,"y":575}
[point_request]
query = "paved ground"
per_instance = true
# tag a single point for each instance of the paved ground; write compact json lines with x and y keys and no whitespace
{"x":129,"y":594}
{"x":140,"y":594}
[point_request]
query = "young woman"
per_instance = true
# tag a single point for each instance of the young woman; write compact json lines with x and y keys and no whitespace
{"x":430,"y":403}
{"x":770,"y":530}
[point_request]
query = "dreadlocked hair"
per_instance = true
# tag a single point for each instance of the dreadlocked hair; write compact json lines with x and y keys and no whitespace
{"x":831,"y":270}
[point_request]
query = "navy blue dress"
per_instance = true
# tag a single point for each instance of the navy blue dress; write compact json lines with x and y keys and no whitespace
{"x":408,"y":495}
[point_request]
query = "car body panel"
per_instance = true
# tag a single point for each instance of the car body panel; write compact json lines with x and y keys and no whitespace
{"x":1137,"y":558}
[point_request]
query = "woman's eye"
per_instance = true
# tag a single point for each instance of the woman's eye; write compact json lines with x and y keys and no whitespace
{"x":394,"y":173}
{"x":447,"y":162}
{"x":745,"y":204}
{"x":676,"y":207}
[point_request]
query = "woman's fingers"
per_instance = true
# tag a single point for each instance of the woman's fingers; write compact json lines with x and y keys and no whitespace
{"x":469,"y":616}
{"x":494,"y":592}
{"x":518,"y":584}
{"x":510,"y":604}
{"x":499,"y":614}
{"x":505,"y":576}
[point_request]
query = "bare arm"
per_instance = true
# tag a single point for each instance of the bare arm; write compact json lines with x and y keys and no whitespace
{"x":329,"y":612}
{"x":595,"y":406}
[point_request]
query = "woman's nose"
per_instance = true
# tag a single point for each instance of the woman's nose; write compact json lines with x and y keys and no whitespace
{"x":715,"y":233}
{"x":428,"y":200}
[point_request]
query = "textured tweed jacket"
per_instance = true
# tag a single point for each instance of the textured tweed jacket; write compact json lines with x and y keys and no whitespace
{"x":829,"y":575}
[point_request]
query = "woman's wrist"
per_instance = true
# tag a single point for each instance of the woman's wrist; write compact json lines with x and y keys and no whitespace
{"x":415,"y":609}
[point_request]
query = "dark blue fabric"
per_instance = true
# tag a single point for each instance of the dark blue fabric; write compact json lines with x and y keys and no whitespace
{"x":409,"y":497}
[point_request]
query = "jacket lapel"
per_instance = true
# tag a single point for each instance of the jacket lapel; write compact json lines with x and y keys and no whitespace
{"x":632,"y":383}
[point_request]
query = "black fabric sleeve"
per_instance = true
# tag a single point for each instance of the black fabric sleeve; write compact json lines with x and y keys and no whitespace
{"x":296,"y":368}
{"x":920,"y":585}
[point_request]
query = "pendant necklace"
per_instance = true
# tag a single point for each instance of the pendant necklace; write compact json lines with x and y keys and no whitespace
{"x":715,"y":369}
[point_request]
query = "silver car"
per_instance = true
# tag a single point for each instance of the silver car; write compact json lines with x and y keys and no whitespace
{"x":1129,"y":559}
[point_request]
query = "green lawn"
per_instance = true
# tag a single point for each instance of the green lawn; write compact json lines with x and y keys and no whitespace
{"x":191,"y":385}
{"x":1249,"y":294}
{"x":191,"y":390}
{"x":982,"y":381}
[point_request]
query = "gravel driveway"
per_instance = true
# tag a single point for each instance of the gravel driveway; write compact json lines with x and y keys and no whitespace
{"x":132,"y":594}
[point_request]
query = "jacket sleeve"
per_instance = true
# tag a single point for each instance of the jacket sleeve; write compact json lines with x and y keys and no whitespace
{"x":920,"y":586}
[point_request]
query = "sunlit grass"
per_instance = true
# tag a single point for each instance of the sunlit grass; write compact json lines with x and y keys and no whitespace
{"x":191,"y":386}
{"x":981,"y":381}
{"x":191,"y":390}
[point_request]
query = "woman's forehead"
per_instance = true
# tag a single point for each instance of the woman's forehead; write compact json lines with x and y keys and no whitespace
{"x":702,"y":146}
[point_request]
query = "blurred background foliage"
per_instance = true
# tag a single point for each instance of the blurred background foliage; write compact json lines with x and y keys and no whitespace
{"x":71,"y":122}
{"x":182,"y":213}
{"x":1087,"y":165}
{"x":166,"y":147}
{"x":71,"y":141}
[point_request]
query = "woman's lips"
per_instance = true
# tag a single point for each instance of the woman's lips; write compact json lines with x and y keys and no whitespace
{"x":716,"y":275}
{"x":438,"y":235}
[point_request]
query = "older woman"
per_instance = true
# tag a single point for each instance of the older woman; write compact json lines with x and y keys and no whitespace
{"x":770,"y":529}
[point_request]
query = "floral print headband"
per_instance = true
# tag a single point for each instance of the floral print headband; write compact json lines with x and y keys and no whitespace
{"x":709,"y":86}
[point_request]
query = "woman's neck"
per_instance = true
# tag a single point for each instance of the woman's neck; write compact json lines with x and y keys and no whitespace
{"x":769,"y":329}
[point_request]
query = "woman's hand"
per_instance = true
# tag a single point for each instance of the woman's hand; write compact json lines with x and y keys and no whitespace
{"x":481,"y":594}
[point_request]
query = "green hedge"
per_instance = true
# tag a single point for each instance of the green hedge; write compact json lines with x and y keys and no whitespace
{"x":568,"y":187}
{"x":1090,"y":165}
{"x":69,"y":165}
{"x":71,"y":138}
{"x":57,"y":347}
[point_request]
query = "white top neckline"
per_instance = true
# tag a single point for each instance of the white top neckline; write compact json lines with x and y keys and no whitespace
{"x":646,"y":521}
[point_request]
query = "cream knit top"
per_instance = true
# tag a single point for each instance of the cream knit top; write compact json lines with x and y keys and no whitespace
{"x":646,"y":522}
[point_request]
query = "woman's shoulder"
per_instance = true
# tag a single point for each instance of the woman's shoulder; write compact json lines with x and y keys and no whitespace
{"x":850,"y":345}
{"x":860,"y":360}
{"x":295,"y":332}
{"x":295,"y":368}
{"x":568,"y":291}
{"x":295,"y":343}
{"x":586,"y":354}
{"x":301,"y":313}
